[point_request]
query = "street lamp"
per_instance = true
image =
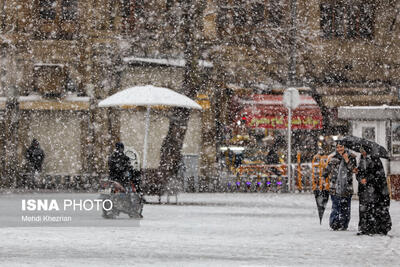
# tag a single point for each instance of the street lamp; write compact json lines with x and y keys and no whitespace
{"x":291,"y":100}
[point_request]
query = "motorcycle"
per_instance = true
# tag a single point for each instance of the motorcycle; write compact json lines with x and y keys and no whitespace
{"x":121,"y":199}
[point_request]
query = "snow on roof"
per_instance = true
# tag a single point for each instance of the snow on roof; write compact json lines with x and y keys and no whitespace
{"x":272,"y":85}
{"x":30,"y":98}
{"x":275,"y":100}
{"x":369,"y":112}
{"x":36,"y":101}
{"x":75,"y":98}
{"x":41,"y":64}
{"x":382,"y":107}
{"x":37,"y":97}
{"x":268,"y":84}
{"x":69,"y":97}
{"x":166,"y":61}
{"x":23,"y":98}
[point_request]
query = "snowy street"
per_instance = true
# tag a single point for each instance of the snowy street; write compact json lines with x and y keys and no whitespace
{"x":208,"y":230}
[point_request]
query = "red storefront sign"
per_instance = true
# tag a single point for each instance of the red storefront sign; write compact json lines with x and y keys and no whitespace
{"x":268,"y":111}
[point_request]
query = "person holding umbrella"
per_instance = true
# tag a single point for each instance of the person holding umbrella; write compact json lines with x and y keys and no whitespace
{"x":373,"y":195}
{"x":374,"y":198}
{"x":340,"y":172}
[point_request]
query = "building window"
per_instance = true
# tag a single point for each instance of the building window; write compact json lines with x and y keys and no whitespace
{"x":275,"y":13}
{"x":69,"y":9}
{"x":57,"y":19}
{"x":223,"y":19}
{"x":326,"y":19}
{"x":339,"y":21}
{"x":366,"y":19}
{"x":131,"y":10}
{"x":353,"y":17}
{"x":239,"y":14}
{"x":347,"y":19}
{"x":398,"y":93}
{"x":258,"y":10}
{"x":246,"y":22}
{"x":128,"y":7}
{"x":47,"y":9}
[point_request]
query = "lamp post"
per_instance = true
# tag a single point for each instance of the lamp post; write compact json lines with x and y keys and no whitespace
{"x":291,"y":100}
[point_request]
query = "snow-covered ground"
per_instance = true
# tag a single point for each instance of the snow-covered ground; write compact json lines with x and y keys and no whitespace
{"x":209,"y":230}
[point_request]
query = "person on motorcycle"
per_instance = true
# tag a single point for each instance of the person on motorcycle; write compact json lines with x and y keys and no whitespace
{"x":119,"y":165}
{"x":121,"y":171}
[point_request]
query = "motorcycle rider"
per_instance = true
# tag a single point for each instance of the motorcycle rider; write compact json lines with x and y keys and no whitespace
{"x":119,"y":166}
{"x":121,"y":171}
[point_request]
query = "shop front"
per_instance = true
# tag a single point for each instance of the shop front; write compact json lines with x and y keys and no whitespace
{"x":261,"y":122}
{"x":257,"y":146}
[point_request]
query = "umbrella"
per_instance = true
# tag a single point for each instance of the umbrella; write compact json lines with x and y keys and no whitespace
{"x":148,"y":96}
{"x":321,"y":198}
{"x":372,"y":148}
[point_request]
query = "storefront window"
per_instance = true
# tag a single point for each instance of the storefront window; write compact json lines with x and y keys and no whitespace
{"x":260,"y":126}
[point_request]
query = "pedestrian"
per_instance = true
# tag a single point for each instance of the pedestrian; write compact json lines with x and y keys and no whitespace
{"x":373,"y":196}
{"x":272,"y":158}
{"x":34,"y":160}
{"x":119,"y":165}
{"x":340,"y":172}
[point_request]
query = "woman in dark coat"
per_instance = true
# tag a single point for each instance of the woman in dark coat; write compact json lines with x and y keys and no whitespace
{"x":374,"y":196}
{"x":34,"y":157}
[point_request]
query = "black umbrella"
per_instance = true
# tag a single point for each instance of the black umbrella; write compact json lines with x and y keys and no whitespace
{"x":372,"y":148}
{"x":321,"y":198}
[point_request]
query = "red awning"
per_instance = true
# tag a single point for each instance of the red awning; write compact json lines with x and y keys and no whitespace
{"x":268,"y":111}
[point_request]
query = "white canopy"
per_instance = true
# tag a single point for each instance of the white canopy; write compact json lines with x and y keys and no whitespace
{"x":148,"y":95}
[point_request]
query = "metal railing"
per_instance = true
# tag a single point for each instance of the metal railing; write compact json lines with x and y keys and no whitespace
{"x":306,"y":177}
